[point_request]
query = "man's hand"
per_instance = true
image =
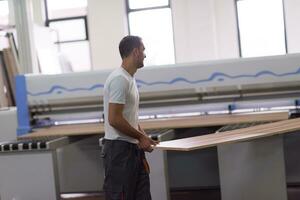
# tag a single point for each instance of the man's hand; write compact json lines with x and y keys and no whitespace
{"x":147,"y":143}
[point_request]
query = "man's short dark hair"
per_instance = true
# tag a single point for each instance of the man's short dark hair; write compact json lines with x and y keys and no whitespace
{"x":128,"y":43}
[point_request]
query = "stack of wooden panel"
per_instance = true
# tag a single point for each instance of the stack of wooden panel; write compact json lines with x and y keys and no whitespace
{"x":9,"y":68}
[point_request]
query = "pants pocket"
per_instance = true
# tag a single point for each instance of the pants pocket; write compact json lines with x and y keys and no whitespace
{"x":114,"y":192}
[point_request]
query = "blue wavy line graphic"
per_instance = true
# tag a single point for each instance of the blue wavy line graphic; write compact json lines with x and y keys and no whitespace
{"x":219,"y":76}
{"x":60,"y":89}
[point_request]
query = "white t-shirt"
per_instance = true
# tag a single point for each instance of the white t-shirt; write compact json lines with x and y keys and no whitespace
{"x":120,"y":87}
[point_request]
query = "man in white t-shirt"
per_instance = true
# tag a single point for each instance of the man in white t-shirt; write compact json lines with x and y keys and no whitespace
{"x":126,"y":168}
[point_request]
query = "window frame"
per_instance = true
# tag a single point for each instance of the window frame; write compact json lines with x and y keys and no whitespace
{"x":60,"y":43}
{"x":239,"y":34}
{"x":147,"y":8}
{"x":84,"y":17}
{"x":67,"y":19}
{"x":3,"y":26}
{"x":129,"y":10}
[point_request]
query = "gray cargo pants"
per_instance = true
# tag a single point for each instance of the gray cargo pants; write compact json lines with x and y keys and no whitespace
{"x":126,"y":171}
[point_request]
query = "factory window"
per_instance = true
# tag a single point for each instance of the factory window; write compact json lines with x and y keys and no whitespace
{"x":3,"y":13}
{"x":152,"y":20}
{"x":68,"y":20}
{"x":57,"y":9}
{"x":3,"y":23}
{"x":261,"y":27}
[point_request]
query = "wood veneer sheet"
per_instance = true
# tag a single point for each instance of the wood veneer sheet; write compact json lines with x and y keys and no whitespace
{"x":12,"y":70}
{"x":244,"y":134}
{"x":3,"y":97}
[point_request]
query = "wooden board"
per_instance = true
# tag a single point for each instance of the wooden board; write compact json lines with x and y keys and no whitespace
{"x":67,"y":130}
{"x":12,"y":70}
{"x":6,"y":82}
{"x":3,"y":97}
{"x":184,"y":122}
{"x":244,"y":134}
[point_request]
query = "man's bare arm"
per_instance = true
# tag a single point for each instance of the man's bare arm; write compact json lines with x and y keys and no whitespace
{"x":140,"y":129}
{"x":143,"y":131}
{"x":116,"y":120}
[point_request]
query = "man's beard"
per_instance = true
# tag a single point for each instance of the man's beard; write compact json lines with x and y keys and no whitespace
{"x":141,"y":65}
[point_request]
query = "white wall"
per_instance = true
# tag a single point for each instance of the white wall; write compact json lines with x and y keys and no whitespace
{"x":193,"y":25}
{"x":226,"y":29}
{"x":107,"y":25}
{"x":39,"y":17}
{"x":292,"y":8}
{"x":203,"y":30}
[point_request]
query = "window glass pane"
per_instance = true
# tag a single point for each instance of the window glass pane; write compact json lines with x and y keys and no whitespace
{"x":3,"y":8}
{"x":78,"y":53}
{"x":68,"y":30}
{"x":66,"y":8}
{"x":261,"y":26}
{"x":4,"y":13}
{"x":155,"y":28}
{"x":3,"y":40}
{"x":135,"y":4}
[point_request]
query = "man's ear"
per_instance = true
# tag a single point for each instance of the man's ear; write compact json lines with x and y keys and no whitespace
{"x":135,"y":52}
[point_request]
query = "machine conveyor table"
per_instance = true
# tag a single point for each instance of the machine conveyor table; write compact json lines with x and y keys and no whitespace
{"x":162,"y":123}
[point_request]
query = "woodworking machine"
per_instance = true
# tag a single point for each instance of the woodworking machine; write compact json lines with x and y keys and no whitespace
{"x":195,"y":89}
{"x":176,"y":101}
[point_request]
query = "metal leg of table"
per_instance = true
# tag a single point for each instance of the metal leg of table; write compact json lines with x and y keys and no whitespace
{"x":158,"y":175}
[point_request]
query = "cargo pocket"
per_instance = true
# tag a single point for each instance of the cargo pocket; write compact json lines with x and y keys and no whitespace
{"x":115,"y":193}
